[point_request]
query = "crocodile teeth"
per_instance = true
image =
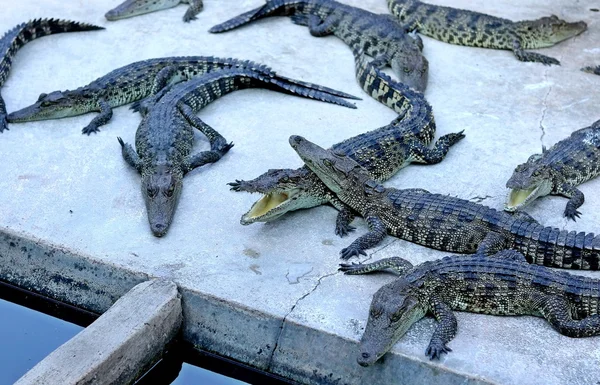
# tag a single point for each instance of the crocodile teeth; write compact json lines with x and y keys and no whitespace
{"x":517,"y":197}
{"x":266,"y":204}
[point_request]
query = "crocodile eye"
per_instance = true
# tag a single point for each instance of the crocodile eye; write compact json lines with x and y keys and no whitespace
{"x":285,"y":179}
{"x":170,"y":191}
{"x":328,"y":163}
{"x":406,"y":70}
{"x":42,"y":96}
{"x":375,"y":313}
{"x":396,"y":316}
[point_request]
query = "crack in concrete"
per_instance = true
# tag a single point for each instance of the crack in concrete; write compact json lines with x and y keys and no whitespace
{"x":284,"y":320}
{"x":545,"y":104}
{"x":287,"y":276}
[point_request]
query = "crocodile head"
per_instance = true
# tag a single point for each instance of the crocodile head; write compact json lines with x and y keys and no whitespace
{"x":547,"y":31}
{"x":57,"y":104}
{"x":529,"y":181}
{"x":283,"y":190}
{"x":409,"y":64}
{"x":161,"y":189}
{"x":339,"y":172}
{"x":393,"y":310}
{"x":132,"y":8}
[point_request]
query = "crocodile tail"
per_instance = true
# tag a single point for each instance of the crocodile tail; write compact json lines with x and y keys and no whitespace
{"x":554,"y":247}
{"x":414,"y":112}
{"x":271,"y":8}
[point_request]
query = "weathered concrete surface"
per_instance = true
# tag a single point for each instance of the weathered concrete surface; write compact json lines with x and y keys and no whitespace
{"x":240,"y":285}
{"x":119,"y":345}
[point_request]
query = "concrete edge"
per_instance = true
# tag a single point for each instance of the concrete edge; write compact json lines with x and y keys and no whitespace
{"x":265,"y":341}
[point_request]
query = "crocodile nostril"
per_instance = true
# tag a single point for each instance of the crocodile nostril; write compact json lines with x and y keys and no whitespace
{"x":365,"y":355}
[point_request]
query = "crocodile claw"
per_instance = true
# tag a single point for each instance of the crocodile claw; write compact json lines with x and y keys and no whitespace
{"x":90,"y":129}
{"x":3,"y":123}
{"x":236,"y":186}
{"x":572,"y":213}
{"x":349,"y":268}
{"x":435,"y":350}
{"x":351,"y":251}
{"x":342,"y":230}
{"x":454,"y":137}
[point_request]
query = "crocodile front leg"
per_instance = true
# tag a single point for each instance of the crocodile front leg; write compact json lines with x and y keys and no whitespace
{"x":159,"y":88}
{"x":3,"y":121}
{"x":195,"y":8}
{"x":557,"y":311}
{"x":396,"y":264}
{"x":532,"y":56}
{"x":317,"y":27}
{"x":376,"y":234}
{"x":130,"y":155}
{"x":344,"y":218}
{"x":218,"y":144}
{"x":100,"y":120}
{"x":576,"y":199}
{"x":423,"y":154}
{"x":444,"y":331}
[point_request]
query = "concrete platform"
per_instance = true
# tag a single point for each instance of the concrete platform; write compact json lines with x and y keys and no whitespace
{"x":74,"y":225}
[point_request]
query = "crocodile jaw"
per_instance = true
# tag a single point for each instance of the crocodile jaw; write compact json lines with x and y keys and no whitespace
{"x":270,"y":206}
{"x":132,"y":8}
{"x":518,"y":198}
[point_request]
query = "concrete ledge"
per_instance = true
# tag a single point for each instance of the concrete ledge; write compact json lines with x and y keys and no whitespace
{"x":119,"y":345}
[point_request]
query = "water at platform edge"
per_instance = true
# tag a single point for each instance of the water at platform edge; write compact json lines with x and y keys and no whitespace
{"x":32,"y":326}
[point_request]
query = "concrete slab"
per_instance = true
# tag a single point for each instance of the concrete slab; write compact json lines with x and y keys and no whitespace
{"x":74,"y":224}
{"x":120,"y":345}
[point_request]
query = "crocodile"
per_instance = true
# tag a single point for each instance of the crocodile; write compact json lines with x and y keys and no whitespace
{"x":165,"y":137}
{"x":592,"y":70}
{"x":558,"y":171}
{"x":439,"y":221}
{"x":379,"y":36}
{"x":383,"y":151}
{"x":22,"y":34}
{"x":132,"y":83}
{"x":131,"y":8}
{"x":503,"y":284}
{"x":464,"y":27}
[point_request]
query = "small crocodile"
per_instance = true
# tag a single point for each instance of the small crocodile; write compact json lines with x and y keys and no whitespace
{"x":442,"y":222}
{"x":558,"y":171}
{"x":592,"y":70}
{"x":22,"y":34}
{"x":503,"y":284}
{"x":131,"y":8}
{"x":379,"y":36}
{"x":463,"y":27}
{"x":383,"y":152}
{"x":132,"y":83}
{"x":165,"y":137}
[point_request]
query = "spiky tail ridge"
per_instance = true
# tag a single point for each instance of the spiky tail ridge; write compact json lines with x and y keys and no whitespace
{"x":555,"y":247}
{"x":271,"y":8}
{"x":22,"y":34}
{"x":415,"y":113}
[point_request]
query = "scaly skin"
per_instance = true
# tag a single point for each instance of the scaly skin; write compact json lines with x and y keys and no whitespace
{"x":442,"y":222}
{"x":22,"y":34}
{"x":379,"y":36}
{"x":165,"y":137}
{"x":592,"y":70}
{"x":503,"y":284}
{"x":558,"y":171}
{"x":463,"y":27}
{"x":131,"y":8}
{"x":383,"y":152}
{"x":129,"y":84}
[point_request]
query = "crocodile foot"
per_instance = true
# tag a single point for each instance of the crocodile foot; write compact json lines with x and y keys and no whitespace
{"x":236,"y":186}
{"x":436,"y":349}
{"x":350,"y":268}
{"x":3,"y":123}
{"x":572,"y":213}
{"x":454,"y":137}
{"x":351,"y":251}
{"x":342,"y":229}
{"x":90,"y":129}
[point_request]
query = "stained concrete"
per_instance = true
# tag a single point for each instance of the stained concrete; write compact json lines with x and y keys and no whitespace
{"x":120,"y":345}
{"x":75,"y":225}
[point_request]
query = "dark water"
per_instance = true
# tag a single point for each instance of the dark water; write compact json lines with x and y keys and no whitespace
{"x":27,"y":336}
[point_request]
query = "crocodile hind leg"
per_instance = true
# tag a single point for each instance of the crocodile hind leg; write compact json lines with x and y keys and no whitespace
{"x":396,"y":264}
{"x":420,"y":153}
{"x":532,"y":56}
{"x":130,"y":155}
{"x":195,"y":8}
{"x":492,"y":244}
{"x":376,"y":234}
{"x":218,"y":144}
{"x":3,"y":121}
{"x":444,"y":331}
{"x":159,"y":88}
{"x":100,"y":120}
{"x":317,"y":27}
{"x":576,"y":199}
{"x":557,"y":311}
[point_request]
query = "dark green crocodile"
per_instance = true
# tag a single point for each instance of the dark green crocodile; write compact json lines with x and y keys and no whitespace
{"x":22,"y":34}
{"x":165,"y":137}
{"x":132,"y":83}
{"x":383,"y":152}
{"x":592,"y":70}
{"x":442,"y":222}
{"x":379,"y":36}
{"x":131,"y":8}
{"x":463,"y":27}
{"x":558,"y":171}
{"x":503,"y":284}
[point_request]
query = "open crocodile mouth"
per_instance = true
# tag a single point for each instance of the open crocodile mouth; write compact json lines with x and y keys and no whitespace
{"x":520,"y":197}
{"x":266,"y":205}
